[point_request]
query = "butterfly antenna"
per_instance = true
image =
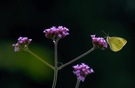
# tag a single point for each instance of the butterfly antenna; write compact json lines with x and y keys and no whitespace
{"x":105,"y":34}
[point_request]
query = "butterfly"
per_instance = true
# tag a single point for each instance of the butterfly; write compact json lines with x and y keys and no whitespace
{"x":116,"y":43}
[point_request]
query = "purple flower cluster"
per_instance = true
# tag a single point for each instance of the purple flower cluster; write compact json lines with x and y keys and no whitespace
{"x":21,"y":43}
{"x":99,"y":42}
{"x":56,"y":33}
{"x":81,"y":71}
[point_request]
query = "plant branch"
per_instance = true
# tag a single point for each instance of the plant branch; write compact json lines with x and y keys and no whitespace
{"x":40,"y":59}
{"x":77,"y":58}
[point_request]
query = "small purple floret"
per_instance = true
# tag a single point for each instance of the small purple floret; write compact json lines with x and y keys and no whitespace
{"x":22,"y":42}
{"x":56,"y":33}
{"x":81,"y":71}
{"x":99,"y":42}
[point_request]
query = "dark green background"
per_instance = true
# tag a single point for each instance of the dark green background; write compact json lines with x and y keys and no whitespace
{"x":83,"y":18}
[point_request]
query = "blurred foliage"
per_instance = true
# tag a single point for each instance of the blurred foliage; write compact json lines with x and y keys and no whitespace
{"x":19,"y":63}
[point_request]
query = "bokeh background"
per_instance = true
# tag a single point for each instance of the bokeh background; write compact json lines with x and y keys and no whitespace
{"x":83,"y":18}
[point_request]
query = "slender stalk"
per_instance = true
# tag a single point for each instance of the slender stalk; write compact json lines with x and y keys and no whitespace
{"x":40,"y":59}
{"x":55,"y":53}
{"x":55,"y":63}
{"x":77,"y":58}
{"x":55,"y":78}
{"x":77,"y":83}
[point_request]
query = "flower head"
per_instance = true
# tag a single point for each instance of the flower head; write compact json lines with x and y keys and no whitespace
{"x":81,"y":71}
{"x":99,"y":42}
{"x":56,"y":33}
{"x":22,"y":43}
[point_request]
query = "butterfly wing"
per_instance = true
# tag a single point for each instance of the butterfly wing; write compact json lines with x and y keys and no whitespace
{"x":116,"y":43}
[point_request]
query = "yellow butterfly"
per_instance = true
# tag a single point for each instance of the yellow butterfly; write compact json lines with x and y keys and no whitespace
{"x":116,"y":43}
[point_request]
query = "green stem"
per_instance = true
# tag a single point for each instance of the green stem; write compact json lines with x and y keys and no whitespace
{"x":77,"y":58}
{"x":77,"y":83}
{"x":55,"y":63}
{"x":40,"y":59}
{"x":55,"y":54}
{"x":55,"y":78}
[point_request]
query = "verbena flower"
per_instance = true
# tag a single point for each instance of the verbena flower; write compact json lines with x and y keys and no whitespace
{"x":81,"y":71}
{"x":22,"y":43}
{"x":56,"y":33}
{"x":99,"y":42}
